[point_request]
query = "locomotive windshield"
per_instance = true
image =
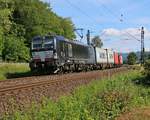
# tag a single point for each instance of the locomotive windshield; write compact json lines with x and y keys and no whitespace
{"x":45,"y":42}
{"x":48,"y":42}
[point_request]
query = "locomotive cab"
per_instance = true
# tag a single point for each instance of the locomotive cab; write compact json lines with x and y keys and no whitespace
{"x":43,"y":52}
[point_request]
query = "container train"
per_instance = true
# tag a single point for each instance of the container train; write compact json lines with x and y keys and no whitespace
{"x":57,"y":54}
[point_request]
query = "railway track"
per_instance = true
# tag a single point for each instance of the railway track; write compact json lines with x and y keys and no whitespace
{"x":18,"y":85}
{"x":41,"y":80}
{"x":46,"y":86}
{"x":34,"y":84}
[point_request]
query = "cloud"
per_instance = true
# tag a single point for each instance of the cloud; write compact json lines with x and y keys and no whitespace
{"x":120,"y":40}
{"x":111,"y":32}
{"x":129,"y":32}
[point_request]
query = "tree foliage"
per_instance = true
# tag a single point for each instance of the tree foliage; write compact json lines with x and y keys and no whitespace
{"x":132,"y":58}
{"x":5,"y":23}
{"x":38,"y":19}
{"x":97,"y":41}
{"x":1,"y":41}
{"x":15,"y":49}
{"x":21,"y":20}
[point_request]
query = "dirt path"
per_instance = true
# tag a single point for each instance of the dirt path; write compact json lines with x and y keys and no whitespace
{"x":136,"y":114}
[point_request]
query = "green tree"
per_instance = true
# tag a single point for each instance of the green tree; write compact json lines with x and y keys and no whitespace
{"x":5,"y":23}
{"x":132,"y":58}
{"x":38,"y":19}
{"x":5,"y":15}
{"x":1,"y":43}
{"x":15,"y":49}
{"x":21,"y":20}
{"x":96,"y":41}
{"x":68,"y":28}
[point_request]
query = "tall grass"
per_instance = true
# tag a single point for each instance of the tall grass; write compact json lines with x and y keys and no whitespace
{"x":11,"y":68}
{"x":99,"y":100}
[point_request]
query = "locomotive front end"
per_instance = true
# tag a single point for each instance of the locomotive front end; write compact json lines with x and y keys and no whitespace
{"x":43,"y":53}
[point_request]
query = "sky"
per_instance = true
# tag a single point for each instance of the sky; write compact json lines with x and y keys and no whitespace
{"x":117,"y":22}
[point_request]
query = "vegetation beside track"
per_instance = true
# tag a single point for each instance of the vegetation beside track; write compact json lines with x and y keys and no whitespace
{"x":8,"y":69}
{"x":104,"y":99}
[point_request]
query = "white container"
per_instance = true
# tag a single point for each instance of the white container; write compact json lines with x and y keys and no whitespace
{"x":101,"y":56}
{"x":110,"y":54}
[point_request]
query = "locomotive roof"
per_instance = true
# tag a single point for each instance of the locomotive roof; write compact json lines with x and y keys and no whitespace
{"x":61,"y":38}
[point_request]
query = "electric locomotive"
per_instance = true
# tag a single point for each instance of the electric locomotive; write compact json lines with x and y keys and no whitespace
{"x":57,"y":54}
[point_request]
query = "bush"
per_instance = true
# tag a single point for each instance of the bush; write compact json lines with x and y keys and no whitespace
{"x":146,"y":79}
{"x":109,"y":104}
{"x":147,"y":68}
{"x":132,"y":58}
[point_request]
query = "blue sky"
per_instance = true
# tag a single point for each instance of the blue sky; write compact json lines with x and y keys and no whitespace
{"x":111,"y":19}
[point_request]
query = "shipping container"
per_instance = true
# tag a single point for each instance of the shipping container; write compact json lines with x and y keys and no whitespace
{"x":116,"y":58}
{"x":110,"y":55}
{"x":101,"y":56}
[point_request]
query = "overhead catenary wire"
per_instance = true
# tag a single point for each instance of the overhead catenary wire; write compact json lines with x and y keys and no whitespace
{"x":105,"y":7}
{"x":116,"y":16}
{"x":109,"y":10}
{"x":93,"y":21}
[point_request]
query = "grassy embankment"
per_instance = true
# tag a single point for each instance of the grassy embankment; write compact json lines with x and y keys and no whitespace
{"x":99,"y":100}
{"x":8,"y":70}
